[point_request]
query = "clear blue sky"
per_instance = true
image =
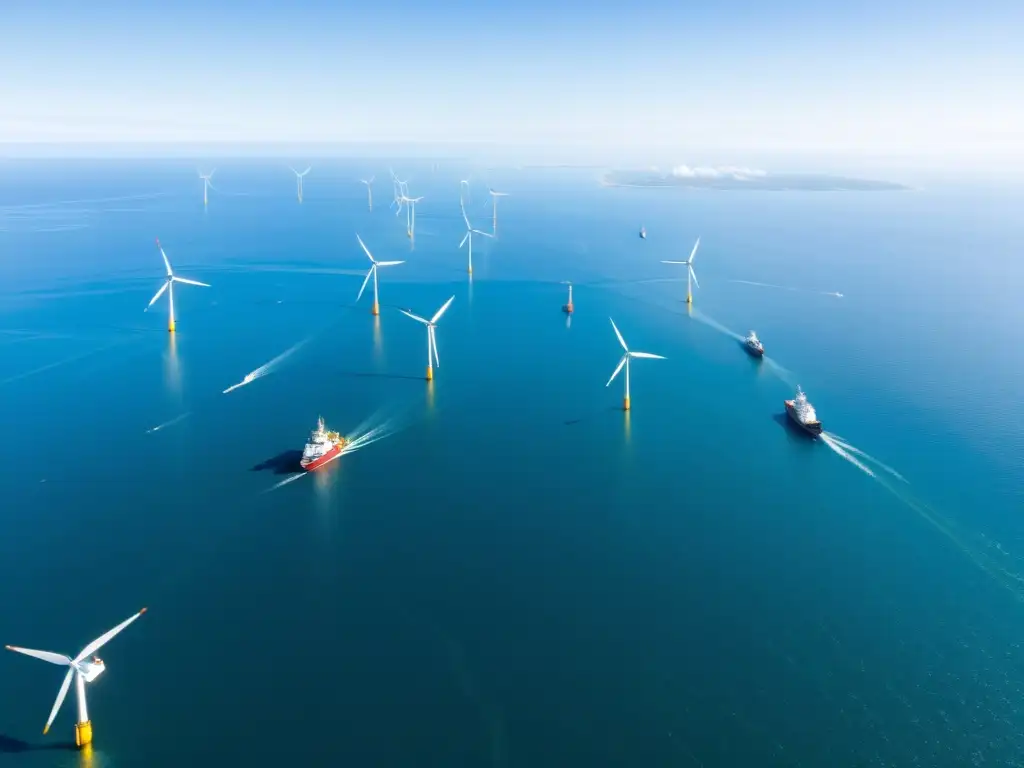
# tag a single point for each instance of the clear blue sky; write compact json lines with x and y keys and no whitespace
{"x":882,"y":76}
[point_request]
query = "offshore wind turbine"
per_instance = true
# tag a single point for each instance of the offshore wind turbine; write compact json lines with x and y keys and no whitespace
{"x":690,"y":274}
{"x":625,"y":362}
{"x":431,"y":335}
{"x":374,"y":264}
{"x":369,"y":190}
{"x":468,"y":237}
{"x":298,"y":179}
{"x":169,"y":287}
{"x":207,"y":179}
{"x":494,"y":203}
{"x":84,"y":668}
{"x":411,"y":217}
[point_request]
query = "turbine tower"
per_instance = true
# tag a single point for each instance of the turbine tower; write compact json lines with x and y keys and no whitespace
{"x":207,"y":179}
{"x":411,"y":217}
{"x":567,"y":307}
{"x":431,"y":335}
{"x":468,"y":237}
{"x":298,"y":179}
{"x":494,"y":203}
{"x":625,"y":362}
{"x":690,"y":274}
{"x":169,"y":287}
{"x":374,"y":264}
{"x":84,"y":670}
{"x":369,"y":190}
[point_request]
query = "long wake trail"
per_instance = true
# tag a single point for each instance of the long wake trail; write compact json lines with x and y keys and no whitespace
{"x":794,"y":289}
{"x":269,"y":367}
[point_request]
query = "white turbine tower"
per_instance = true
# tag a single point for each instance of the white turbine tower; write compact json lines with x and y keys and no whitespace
{"x":468,"y":238}
{"x":169,"y":287}
{"x":207,"y":179}
{"x":374,"y":264}
{"x":494,"y":203}
{"x":431,"y":324}
{"x":369,"y":190}
{"x":690,"y":274}
{"x":84,"y":670}
{"x":625,"y":362}
{"x":298,"y":179}
{"x":411,"y":218}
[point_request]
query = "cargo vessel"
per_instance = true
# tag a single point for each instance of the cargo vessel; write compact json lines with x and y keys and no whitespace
{"x":753,"y":345}
{"x":802,"y":413}
{"x":323,"y":446}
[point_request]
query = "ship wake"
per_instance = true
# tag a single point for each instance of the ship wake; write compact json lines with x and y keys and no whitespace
{"x":268,"y":367}
{"x":794,"y":289}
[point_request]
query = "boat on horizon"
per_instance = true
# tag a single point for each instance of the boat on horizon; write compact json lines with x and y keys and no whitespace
{"x":643,"y":233}
{"x":802,"y":413}
{"x":323,"y":446}
{"x":753,"y":345}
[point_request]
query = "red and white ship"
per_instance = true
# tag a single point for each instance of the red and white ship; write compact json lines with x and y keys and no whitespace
{"x":323,"y":446}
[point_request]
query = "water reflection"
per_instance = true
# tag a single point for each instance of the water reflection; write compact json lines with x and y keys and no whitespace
{"x":378,"y":344}
{"x":430,"y":395}
{"x":628,"y":432}
{"x":172,"y":367}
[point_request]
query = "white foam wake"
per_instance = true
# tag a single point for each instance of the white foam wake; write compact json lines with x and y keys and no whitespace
{"x":267,"y":367}
{"x":788,"y":288}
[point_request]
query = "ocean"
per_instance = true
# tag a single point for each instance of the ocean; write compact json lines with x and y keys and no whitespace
{"x":511,"y":570}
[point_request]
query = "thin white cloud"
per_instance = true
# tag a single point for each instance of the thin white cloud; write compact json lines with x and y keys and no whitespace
{"x":717,"y":172}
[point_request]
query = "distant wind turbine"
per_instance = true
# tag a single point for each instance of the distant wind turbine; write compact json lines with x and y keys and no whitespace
{"x":207,"y":179}
{"x":298,"y":179}
{"x":411,"y":217}
{"x":690,"y":274}
{"x":625,"y":362}
{"x":431,"y":336}
{"x":169,"y":287}
{"x":494,"y":202}
{"x":369,"y":190}
{"x":373,"y":273}
{"x":469,"y":236}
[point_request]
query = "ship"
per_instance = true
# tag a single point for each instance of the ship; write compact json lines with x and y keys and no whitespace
{"x":802,"y":413}
{"x":753,"y":345}
{"x":323,"y":446}
{"x":643,"y":233}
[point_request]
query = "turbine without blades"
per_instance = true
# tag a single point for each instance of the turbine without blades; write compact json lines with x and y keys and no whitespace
{"x":431,"y":324}
{"x":374,"y":264}
{"x":468,"y":237}
{"x":298,"y":179}
{"x":207,"y":179}
{"x":494,"y":203}
{"x":369,"y":190}
{"x":411,"y":215}
{"x":169,"y":287}
{"x":690,"y":274}
{"x":567,"y":307}
{"x":625,"y":362}
{"x":84,"y":670}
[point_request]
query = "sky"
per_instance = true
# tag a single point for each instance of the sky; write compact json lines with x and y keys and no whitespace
{"x":938,"y":79}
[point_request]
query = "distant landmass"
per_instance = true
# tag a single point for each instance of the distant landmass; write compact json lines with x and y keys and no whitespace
{"x":744,"y":178}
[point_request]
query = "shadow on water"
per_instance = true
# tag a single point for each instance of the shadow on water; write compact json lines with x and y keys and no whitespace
{"x":594,"y":414}
{"x":796,"y":435}
{"x":10,"y":746}
{"x":282,"y":464}
{"x":374,"y":375}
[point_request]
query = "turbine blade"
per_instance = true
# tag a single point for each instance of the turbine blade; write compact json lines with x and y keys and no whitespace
{"x":694,"y":276}
{"x":158,"y":295}
{"x":389,"y":263}
{"x":674,"y":262}
{"x":367,"y":250}
{"x":365,"y":281}
{"x":485,"y":234}
{"x":166,"y":262}
{"x":306,"y":171}
{"x":414,"y":317}
{"x":694,"y":251}
{"x":105,"y":638}
{"x":465,"y":237}
{"x":465,"y":218}
{"x":622,"y":341}
{"x":647,"y":355}
{"x":54,"y":658}
{"x":60,"y":699}
{"x":442,"y":310}
{"x":189,"y":282}
{"x":433,"y":339}
{"x":618,"y":368}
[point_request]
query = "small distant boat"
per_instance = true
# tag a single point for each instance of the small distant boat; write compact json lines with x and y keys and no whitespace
{"x":322,"y":446}
{"x":802,"y":413}
{"x":643,"y":233}
{"x":753,"y":345}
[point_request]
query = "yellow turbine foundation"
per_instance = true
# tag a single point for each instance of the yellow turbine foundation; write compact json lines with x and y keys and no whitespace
{"x":625,"y":403}
{"x":689,"y":299}
{"x":471,"y":270}
{"x":170,"y":327}
{"x":376,"y":309}
{"x":83,"y":733}
{"x":430,"y":373}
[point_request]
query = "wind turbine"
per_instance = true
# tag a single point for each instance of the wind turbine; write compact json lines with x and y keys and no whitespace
{"x":369,"y":190}
{"x":469,"y":236}
{"x":207,"y":179}
{"x":298,"y":179}
{"x":567,"y":308}
{"x":411,"y":217}
{"x":373,"y":272}
{"x":84,"y":670}
{"x":625,"y":362}
{"x":690,"y":274}
{"x":431,"y":337}
{"x":494,"y":203}
{"x":169,"y":287}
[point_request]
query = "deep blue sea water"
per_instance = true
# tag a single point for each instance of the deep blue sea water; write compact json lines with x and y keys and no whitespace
{"x":518,"y":573}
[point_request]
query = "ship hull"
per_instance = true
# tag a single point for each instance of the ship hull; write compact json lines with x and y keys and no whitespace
{"x":754,"y":351}
{"x":311,"y":464}
{"x":812,"y":428}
